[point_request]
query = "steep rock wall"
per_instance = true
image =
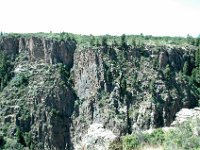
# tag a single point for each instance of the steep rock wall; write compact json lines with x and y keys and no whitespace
{"x":9,"y":46}
{"x":48,"y":51}
{"x":88,"y":73}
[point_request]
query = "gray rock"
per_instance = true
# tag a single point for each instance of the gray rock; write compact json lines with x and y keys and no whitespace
{"x":163,"y":59}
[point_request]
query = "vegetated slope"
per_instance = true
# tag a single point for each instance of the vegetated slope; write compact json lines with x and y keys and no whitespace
{"x":65,"y":91}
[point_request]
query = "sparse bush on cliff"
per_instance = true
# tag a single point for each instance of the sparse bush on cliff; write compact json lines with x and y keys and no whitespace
{"x":130,"y":142}
{"x":5,"y":70}
{"x":20,"y":79}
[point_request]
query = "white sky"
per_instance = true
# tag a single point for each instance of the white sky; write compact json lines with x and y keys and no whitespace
{"x":155,"y":17}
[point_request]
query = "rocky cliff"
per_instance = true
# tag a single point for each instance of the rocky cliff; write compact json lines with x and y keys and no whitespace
{"x":63,"y":95}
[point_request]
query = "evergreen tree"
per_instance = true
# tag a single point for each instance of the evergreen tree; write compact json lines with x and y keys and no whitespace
{"x":92,"y":40}
{"x":198,"y":41}
{"x":98,"y":43}
{"x":124,"y":42}
{"x":134,"y":42}
{"x":62,"y":36}
{"x":190,"y":40}
{"x":186,"y":68}
{"x":196,"y":71}
{"x":167,"y":72}
{"x":104,"y":41}
{"x":197,"y":57}
{"x":115,"y":43}
{"x":5,"y":70}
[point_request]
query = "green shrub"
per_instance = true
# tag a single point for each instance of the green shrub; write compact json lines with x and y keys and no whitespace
{"x":182,"y":138}
{"x":157,"y":137}
{"x":130,"y":142}
{"x":20,"y":137}
{"x":12,"y":144}
{"x":5,"y":70}
{"x":28,"y":139}
{"x":20,"y":79}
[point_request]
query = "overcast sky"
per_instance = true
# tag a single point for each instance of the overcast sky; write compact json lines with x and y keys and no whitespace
{"x":150,"y":17}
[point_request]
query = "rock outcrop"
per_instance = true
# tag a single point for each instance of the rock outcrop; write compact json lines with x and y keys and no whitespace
{"x":48,"y":51}
{"x":186,"y":114}
{"x":10,"y":46}
{"x":88,"y":73}
{"x":96,"y":138}
{"x":163,"y":59}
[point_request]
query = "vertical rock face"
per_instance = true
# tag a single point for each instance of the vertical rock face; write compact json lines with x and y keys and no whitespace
{"x":36,"y":49}
{"x":88,"y":73}
{"x":176,"y":58}
{"x":173,"y":57}
{"x":48,"y":51}
{"x":51,"y":121}
{"x":9,"y":45}
{"x":163,"y":59}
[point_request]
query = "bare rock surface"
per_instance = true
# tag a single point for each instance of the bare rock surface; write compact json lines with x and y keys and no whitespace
{"x":186,"y":114}
{"x":97,"y":138}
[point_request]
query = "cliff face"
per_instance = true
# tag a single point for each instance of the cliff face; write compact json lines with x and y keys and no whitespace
{"x":88,"y":73}
{"x":63,"y":96}
{"x":48,"y":51}
{"x":9,"y":45}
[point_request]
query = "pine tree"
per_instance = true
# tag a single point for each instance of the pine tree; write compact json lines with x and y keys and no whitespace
{"x":115,"y":43}
{"x":190,"y":40}
{"x":92,"y":40}
{"x":197,"y":57}
{"x":196,"y":71}
{"x":97,"y":43}
{"x":133,"y":43}
{"x":5,"y":69}
{"x":124,"y":42}
{"x":104,"y":41}
{"x":198,"y":41}
{"x":186,"y":68}
{"x":167,"y":72}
